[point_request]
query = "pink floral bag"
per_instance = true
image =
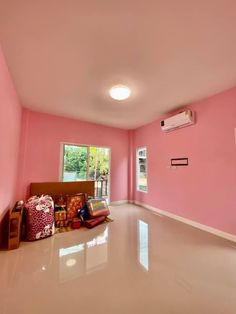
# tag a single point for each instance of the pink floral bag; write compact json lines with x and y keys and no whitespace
{"x":39,"y":217}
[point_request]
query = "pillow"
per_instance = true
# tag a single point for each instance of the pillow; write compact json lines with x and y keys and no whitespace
{"x":94,"y":222}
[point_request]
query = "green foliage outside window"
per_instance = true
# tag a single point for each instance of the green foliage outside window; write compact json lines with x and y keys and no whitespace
{"x":85,"y":163}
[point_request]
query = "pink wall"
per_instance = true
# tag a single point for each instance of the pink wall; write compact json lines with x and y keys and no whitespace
{"x":10,"y":120}
{"x":42,"y":135}
{"x":205,"y":191}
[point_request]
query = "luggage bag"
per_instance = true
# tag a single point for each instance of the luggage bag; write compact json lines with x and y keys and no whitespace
{"x":39,"y":217}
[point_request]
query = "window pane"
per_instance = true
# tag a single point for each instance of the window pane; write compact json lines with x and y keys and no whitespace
{"x":141,"y":170}
{"x":75,"y":163}
{"x":98,"y":163}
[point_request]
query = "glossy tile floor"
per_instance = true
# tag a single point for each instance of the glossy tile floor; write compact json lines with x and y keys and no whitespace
{"x":140,"y":263}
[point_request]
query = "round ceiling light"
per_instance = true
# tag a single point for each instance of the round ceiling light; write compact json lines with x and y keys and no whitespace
{"x":120,"y":92}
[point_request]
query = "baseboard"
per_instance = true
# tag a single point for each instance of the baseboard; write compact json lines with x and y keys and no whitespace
{"x":192,"y":223}
{"x":121,"y":202}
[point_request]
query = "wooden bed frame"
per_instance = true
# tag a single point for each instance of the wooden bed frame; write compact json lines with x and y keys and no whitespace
{"x":62,"y":188}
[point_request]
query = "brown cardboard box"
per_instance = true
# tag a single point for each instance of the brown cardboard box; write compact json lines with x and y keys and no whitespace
{"x":15,"y":226}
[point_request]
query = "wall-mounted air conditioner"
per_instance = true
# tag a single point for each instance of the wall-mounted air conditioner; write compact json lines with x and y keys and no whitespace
{"x":179,"y":120}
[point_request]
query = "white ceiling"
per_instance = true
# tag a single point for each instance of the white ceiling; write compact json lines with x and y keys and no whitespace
{"x":64,"y":55}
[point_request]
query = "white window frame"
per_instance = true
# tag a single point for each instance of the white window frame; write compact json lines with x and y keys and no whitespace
{"x":61,"y":163}
{"x":137,"y":169}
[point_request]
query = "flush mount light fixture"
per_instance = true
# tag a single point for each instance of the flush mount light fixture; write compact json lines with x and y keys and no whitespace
{"x":120,"y":92}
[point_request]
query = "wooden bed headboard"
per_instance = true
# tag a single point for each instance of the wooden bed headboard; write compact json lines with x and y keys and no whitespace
{"x":62,"y":188}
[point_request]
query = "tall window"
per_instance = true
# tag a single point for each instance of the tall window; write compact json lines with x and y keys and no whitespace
{"x":141,"y":169}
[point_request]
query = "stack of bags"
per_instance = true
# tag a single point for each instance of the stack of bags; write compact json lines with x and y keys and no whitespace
{"x":74,"y":210}
{"x":67,"y":209}
{"x":64,"y":212}
{"x":98,"y":212}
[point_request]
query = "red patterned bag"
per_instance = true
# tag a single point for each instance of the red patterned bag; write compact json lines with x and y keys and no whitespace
{"x":39,"y":217}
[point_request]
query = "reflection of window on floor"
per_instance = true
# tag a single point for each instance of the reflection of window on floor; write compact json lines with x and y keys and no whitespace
{"x":143,"y":244}
{"x":101,"y":239}
{"x":141,"y":169}
{"x":96,"y":252}
{"x":71,"y":250}
{"x":83,"y":258}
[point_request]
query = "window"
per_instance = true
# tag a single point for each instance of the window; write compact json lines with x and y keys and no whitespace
{"x":141,"y":169}
{"x":80,"y":163}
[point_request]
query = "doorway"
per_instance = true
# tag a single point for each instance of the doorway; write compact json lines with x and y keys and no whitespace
{"x":85,"y":163}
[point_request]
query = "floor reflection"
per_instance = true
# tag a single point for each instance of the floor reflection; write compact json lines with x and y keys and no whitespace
{"x":71,"y":250}
{"x":140,"y":263}
{"x":143,"y":244}
{"x":83,"y":258}
{"x":96,"y":252}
